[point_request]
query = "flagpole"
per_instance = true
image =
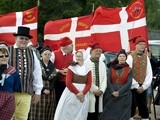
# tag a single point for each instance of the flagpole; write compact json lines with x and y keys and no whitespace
{"x":38,"y":2}
{"x":93,"y":6}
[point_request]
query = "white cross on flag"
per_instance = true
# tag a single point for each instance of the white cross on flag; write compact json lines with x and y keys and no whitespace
{"x":114,"y":27}
{"x":10,"y":22}
{"x":111,"y":27}
{"x":77,"y":28}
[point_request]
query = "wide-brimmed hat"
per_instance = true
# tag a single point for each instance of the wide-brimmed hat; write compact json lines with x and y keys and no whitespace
{"x":23,"y":31}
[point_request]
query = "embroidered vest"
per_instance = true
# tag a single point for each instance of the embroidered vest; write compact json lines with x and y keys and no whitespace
{"x":23,"y":61}
{"x":120,"y":79}
{"x":79,"y":79}
{"x":139,"y":67}
{"x":96,"y":71}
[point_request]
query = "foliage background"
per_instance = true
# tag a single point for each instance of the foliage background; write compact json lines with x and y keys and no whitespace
{"x":60,"y":9}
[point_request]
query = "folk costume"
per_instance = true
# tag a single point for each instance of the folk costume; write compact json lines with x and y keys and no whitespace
{"x":119,"y":78}
{"x":142,"y":77}
{"x":99,"y":83}
{"x":102,"y":84}
{"x":27,"y":64}
{"x":61,"y":61}
{"x":45,"y":109}
{"x":69,"y":107}
{"x":9,"y":83}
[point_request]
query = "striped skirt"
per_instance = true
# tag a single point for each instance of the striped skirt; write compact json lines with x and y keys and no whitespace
{"x":44,"y":110}
{"x":7,"y":105}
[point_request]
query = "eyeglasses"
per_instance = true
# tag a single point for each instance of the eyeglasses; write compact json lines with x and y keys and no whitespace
{"x":24,"y":38}
{"x":2,"y":56}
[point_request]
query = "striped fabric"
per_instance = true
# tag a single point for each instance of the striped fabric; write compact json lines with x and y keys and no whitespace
{"x":96,"y":62}
{"x":10,"y":70}
{"x":23,"y":61}
{"x":7,"y":105}
{"x":45,"y":109}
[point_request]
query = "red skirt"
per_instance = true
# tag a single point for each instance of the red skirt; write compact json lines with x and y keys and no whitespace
{"x":7,"y":105}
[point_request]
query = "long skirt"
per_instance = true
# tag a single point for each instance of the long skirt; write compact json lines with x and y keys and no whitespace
{"x":70,"y":107}
{"x":7,"y":105}
{"x":45,"y":109}
{"x":117,"y":108}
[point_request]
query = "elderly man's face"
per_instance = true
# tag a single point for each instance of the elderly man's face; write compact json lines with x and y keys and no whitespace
{"x":22,"y":41}
{"x":68,"y":49}
{"x":140,"y":47}
{"x":96,"y":53}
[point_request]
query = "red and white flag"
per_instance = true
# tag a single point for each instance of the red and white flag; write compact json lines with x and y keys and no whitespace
{"x":113,"y":27}
{"x":77,"y":29}
{"x":10,"y":22}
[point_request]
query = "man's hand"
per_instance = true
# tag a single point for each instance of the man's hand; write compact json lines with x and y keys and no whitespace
{"x":64,"y":71}
{"x":47,"y":92}
{"x":140,"y":90}
{"x":98,"y":92}
{"x":36,"y":99}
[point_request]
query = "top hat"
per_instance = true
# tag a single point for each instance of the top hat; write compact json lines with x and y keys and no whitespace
{"x":23,"y":31}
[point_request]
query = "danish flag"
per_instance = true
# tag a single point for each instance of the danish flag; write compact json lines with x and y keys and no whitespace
{"x":77,"y":29}
{"x":114,"y":27}
{"x":111,"y":27}
{"x":10,"y":22}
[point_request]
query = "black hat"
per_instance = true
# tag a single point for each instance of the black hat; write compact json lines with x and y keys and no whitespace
{"x":45,"y":48}
{"x":23,"y":31}
{"x":122,"y":51}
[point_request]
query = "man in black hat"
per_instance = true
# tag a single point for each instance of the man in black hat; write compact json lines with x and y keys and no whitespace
{"x":26,"y":62}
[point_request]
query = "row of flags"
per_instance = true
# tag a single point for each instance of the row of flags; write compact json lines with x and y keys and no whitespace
{"x":111,"y":27}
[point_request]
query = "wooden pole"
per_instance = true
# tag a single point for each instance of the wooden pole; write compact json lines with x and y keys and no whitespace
{"x":38,"y":2}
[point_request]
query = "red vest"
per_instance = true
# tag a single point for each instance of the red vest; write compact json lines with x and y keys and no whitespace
{"x":116,"y":79}
{"x":62,"y":61}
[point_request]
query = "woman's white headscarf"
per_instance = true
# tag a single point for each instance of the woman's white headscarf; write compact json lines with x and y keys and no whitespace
{"x":80,"y":70}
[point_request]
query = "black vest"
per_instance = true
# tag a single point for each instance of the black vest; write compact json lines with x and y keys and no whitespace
{"x":23,"y":61}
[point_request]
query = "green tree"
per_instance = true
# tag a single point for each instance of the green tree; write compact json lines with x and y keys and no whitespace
{"x":153,"y":13}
